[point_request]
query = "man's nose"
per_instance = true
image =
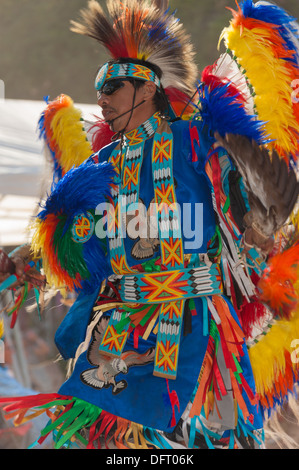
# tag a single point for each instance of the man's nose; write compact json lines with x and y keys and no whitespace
{"x":103,"y":100}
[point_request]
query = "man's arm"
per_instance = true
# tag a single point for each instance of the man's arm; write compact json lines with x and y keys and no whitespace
{"x":20,"y":264}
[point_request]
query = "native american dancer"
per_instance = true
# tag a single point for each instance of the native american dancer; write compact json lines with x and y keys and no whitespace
{"x":176,"y":226}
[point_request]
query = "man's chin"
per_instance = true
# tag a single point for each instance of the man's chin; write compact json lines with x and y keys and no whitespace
{"x":114,"y":126}
{"x":109,"y":123}
{"x":108,"y":116}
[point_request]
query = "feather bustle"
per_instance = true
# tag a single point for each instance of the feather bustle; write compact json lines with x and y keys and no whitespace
{"x":264,"y":40}
{"x":65,"y":262}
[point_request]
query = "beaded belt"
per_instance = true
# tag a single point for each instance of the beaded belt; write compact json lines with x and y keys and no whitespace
{"x":169,"y":286}
{"x":170,"y":289}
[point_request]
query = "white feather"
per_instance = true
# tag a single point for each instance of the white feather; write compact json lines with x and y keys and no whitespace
{"x":226,"y":67}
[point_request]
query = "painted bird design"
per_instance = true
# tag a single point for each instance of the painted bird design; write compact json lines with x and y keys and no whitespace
{"x":148,"y":239}
{"x":104,"y":375}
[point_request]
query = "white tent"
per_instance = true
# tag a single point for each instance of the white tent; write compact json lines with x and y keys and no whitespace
{"x":24,"y":173}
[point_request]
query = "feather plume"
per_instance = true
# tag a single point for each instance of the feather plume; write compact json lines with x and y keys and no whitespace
{"x":251,"y":314}
{"x":275,"y":373}
{"x":272,"y":188}
{"x":278,"y":283}
{"x":61,"y":126}
{"x":275,"y":15}
{"x":222,"y":110}
{"x":101,"y":134}
{"x":138,"y":29}
{"x":263,"y":39}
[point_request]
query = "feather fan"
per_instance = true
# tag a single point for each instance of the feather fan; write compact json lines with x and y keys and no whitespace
{"x":263,"y":40}
{"x":272,"y":188}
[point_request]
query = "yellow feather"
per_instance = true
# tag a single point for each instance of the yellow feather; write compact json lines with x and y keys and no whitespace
{"x":1,"y":327}
{"x":38,"y":242}
{"x":271,"y":82}
{"x":70,"y":137}
{"x":267,"y":357}
{"x":294,"y":218}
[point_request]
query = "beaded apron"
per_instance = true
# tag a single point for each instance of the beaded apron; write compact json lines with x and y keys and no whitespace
{"x":175,"y":284}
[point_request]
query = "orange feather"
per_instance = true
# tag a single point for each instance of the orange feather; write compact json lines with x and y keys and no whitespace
{"x":277,"y":283}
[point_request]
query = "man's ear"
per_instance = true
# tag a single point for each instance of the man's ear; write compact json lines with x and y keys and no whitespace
{"x":149,"y":91}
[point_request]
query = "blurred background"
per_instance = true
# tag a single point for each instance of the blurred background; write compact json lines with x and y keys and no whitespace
{"x":39,"y":57}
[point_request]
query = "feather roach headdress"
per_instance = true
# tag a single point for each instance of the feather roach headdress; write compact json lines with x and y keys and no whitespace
{"x":139,"y":29}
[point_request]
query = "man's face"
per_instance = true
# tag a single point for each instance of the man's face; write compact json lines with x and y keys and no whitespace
{"x":120,"y":102}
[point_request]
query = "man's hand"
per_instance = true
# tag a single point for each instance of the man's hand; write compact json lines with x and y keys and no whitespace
{"x":253,"y":237}
{"x":7,"y":267}
{"x":18,"y":265}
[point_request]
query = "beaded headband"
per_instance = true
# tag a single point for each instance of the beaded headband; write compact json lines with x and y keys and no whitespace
{"x":113,"y":71}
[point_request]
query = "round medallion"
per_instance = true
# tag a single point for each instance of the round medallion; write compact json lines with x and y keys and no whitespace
{"x":83,"y":227}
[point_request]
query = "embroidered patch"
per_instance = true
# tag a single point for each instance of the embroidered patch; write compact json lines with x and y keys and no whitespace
{"x":83,"y":227}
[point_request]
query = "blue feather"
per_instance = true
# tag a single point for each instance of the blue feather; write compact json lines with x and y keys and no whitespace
{"x":276,"y":15}
{"x":225,"y":114}
{"x":81,"y":188}
{"x":270,"y":13}
{"x":160,"y":30}
{"x":96,"y":263}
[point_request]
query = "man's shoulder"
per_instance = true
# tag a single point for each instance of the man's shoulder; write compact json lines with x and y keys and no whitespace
{"x":191,"y":140}
{"x":179,"y":125}
{"x":185,"y":125}
{"x":104,"y":153}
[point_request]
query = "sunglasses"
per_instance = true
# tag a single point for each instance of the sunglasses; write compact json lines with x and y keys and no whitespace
{"x":111,"y":87}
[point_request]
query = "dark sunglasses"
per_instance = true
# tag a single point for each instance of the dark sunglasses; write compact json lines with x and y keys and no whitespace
{"x":111,"y":87}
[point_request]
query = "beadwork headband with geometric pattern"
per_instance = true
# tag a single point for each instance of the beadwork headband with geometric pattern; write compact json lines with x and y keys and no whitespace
{"x":127,"y":70}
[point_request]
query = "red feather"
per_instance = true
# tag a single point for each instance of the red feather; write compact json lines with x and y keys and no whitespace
{"x":102,"y":134}
{"x":180,"y":102}
{"x":213,"y":81}
{"x":251,"y":313}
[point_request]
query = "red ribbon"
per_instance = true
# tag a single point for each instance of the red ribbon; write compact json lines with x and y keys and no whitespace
{"x":174,"y":401}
